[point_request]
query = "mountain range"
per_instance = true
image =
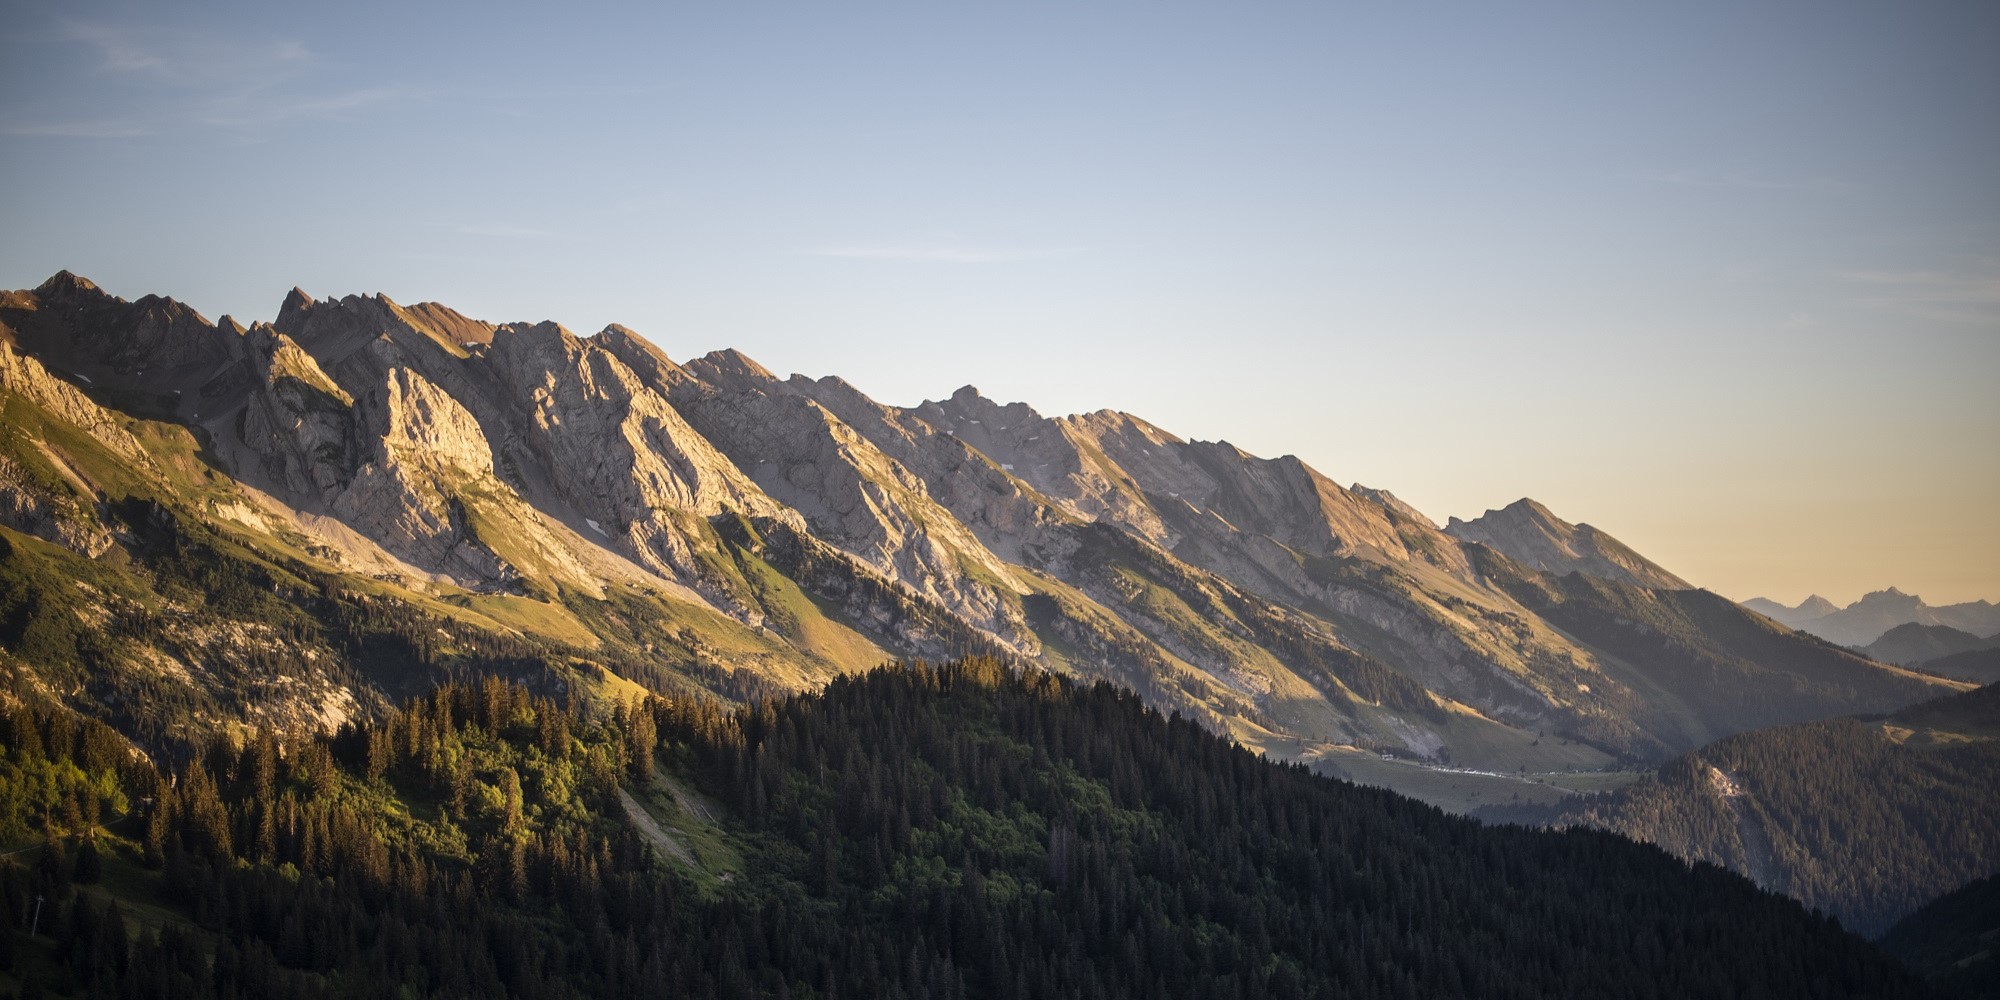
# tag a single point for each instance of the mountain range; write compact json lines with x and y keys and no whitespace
{"x":1869,"y":618}
{"x":211,"y":526}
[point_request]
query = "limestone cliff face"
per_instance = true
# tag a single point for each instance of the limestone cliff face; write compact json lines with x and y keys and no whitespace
{"x":614,"y":442}
{"x":985,"y":495}
{"x":1049,"y":456}
{"x":611,"y":447}
{"x":27,"y":377}
{"x":33,"y":508}
{"x":1220,"y":522}
{"x":1400,"y":589}
{"x":1393,"y":504}
{"x":298,"y":424}
{"x":1116,"y":467}
{"x":576,"y":435}
{"x":425,"y":451}
{"x":414,"y":423}
{"x":1530,"y":534}
{"x":42,"y":491}
{"x":849,"y":492}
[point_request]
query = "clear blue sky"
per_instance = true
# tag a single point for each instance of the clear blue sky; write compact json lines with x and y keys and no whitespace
{"x":1722,"y":279}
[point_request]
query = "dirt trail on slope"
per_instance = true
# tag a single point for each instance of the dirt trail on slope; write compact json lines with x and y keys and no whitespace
{"x":650,"y":829}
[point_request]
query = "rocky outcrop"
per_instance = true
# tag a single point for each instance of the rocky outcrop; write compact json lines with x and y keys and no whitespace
{"x":425,"y":452}
{"x":26,"y":377}
{"x":1392,"y":503}
{"x":1530,"y":534}
{"x":850,"y":492}
{"x":52,"y":514}
{"x":567,"y":426}
{"x":298,"y":424}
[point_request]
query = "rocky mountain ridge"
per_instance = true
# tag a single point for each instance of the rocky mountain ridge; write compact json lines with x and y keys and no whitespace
{"x":1532,"y":535}
{"x":710,"y":523}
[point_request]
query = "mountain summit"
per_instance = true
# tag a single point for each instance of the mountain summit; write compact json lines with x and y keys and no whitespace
{"x":1531,"y":534}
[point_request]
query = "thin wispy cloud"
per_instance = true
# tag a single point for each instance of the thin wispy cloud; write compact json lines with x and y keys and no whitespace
{"x":1971,"y":295}
{"x":182,"y":55}
{"x":139,"y":80}
{"x":252,"y":109}
{"x":936,"y":252}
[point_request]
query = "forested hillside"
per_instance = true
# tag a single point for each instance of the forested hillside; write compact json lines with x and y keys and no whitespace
{"x":1955,"y":940}
{"x":1867,"y":820}
{"x":918,"y":831}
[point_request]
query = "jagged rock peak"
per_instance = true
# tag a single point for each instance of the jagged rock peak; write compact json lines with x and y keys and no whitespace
{"x":544,"y":332}
{"x":1531,"y":534}
{"x":1889,"y":598}
{"x":1523,"y":511}
{"x":619,"y":338}
{"x":729,"y":367}
{"x":66,"y":282}
{"x":1528,"y":506}
{"x":968,"y":404}
{"x":655,"y":370}
{"x":295,"y":304}
{"x":1391,"y":501}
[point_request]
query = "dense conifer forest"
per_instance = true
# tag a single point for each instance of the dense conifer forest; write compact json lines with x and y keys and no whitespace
{"x":1867,"y":819}
{"x":1954,"y":940}
{"x":965,"y":830}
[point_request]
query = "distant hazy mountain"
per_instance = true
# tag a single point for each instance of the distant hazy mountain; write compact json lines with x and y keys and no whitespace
{"x":1867,"y":619}
{"x":206,"y":525}
{"x":1912,"y":642}
{"x":1528,"y":533}
{"x":1808,"y":609}
{"x":1979,"y":666}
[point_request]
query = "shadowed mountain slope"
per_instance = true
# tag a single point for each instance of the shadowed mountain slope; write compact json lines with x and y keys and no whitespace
{"x":1867,"y":819}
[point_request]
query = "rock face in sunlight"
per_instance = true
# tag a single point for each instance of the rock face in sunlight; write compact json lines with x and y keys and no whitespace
{"x":1531,"y":535}
{"x":711,"y":525}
